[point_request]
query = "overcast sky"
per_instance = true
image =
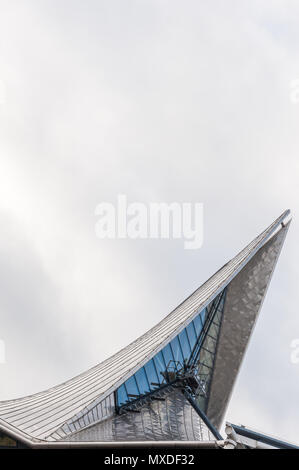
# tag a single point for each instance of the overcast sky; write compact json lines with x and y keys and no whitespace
{"x":161,"y":100}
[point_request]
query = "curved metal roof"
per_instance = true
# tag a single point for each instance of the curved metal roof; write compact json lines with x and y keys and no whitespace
{"x":41,"y":415}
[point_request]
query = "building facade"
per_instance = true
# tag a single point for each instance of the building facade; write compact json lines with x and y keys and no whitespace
{"x":171,"y":385}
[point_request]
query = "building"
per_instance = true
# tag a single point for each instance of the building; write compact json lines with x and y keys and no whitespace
{"x":173,"y":384}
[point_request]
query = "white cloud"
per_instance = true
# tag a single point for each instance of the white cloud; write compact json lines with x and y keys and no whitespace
{"x":162,"y":102}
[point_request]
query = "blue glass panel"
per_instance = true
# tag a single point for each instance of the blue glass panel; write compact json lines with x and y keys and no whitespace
{"x":177,"y":351}
{"x":185,"y":345}
{"x":142,"y":381}
{"x":198,"y":324}
{"x":151,"y":374}
{"x":160,"y":366}
{"x":131,"y":386}
{"x":122,"y":396}
{"x":168,"y":356}
{"x":203,"y":315}
{"x":190,"y":329}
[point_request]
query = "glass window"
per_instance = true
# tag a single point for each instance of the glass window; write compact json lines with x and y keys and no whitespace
{"x":122,"y":396}
{"x":213,"y":331}
{"x":191,"y":334}
{"x":198,"y":324}
{"x":151,"y":374}
{"x":168,"y":356}
{"x":207,"y":358}
{"x":210,"y":344}
{"x":142,"y":381}
{"x":217,"y":317}
{"x":185,"y":345}
{"x":164,"y":365}
{"x":131,"y":387}
{"x":178,"y":356}
{"x":203,"y":315}
{"x":161,"y":367}
{"x":204,"y":370}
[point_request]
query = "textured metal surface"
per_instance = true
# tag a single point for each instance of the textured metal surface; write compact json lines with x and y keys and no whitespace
{"x":99,"y":412}
{"x":51,"y":414}
{"x":244,"y":298}
{"x":171,"y":419}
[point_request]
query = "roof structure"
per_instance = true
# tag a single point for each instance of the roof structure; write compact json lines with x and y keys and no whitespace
{"x":205,"y":336}
{"x":246,"y":438}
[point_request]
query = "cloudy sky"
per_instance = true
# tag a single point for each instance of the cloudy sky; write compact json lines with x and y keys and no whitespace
{"x":161,"y":100}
